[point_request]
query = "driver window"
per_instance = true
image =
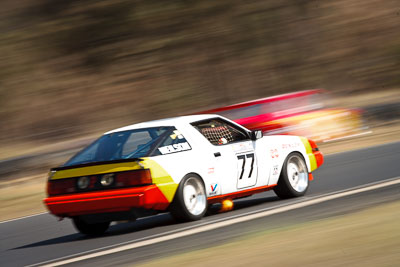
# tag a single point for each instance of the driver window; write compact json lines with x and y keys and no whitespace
{"x":219,"y":132}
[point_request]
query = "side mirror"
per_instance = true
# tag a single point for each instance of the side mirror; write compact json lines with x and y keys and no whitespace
{"x":257,"y":134}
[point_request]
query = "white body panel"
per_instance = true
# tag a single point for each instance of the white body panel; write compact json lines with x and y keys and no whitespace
{"x":230,"y":171}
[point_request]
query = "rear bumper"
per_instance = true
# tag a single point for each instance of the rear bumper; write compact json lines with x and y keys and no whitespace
{"x":147,"y":197}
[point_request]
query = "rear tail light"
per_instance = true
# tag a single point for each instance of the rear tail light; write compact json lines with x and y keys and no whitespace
{"x":83,"y":182}
{"x":98,"y":182}
{"x":59,"y":187}
{"x":107,"y":179}
{"x":132,"y":178}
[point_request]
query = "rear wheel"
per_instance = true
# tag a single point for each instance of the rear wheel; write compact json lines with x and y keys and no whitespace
{"x":90,"y":229}
{"x":190,"y":202}
{"x":293,"y":181}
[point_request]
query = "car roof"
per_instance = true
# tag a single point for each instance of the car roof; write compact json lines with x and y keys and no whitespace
{"x":175,"y":121}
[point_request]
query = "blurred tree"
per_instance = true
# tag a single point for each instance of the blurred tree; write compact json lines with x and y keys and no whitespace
{"x":70,"y":67}
{"x":88,"y":27}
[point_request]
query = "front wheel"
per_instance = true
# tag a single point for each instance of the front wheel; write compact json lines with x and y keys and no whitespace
{"x":190,"y":202}
{"x":293,"y":181}
{"x":90,"y":229}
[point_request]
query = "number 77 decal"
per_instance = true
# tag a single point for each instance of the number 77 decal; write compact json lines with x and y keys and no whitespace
{"x":243,"y":157}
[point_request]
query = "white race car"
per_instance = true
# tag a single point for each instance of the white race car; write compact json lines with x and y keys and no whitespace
{"x":181,"y":165}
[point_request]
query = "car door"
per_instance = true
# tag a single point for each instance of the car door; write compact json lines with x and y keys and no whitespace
{"x":233,"y":152}
{"x":246,"y":161}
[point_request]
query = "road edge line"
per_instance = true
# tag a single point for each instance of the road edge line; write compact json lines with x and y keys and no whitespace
{"x":24,"y":217}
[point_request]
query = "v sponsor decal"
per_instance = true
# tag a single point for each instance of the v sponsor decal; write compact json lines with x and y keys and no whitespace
{"x":214,"y":187}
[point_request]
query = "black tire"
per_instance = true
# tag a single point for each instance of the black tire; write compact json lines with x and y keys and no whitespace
{"x":293,"y":183}
{"x":90,"y":229}
{"x":196,"y":205}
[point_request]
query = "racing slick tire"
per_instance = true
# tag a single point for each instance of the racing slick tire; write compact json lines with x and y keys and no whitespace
{"x":190,"y":202}
{"x":293,"y":181}
{"x":90,"y":229}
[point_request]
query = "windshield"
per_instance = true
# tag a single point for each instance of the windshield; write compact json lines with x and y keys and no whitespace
{"x":122,"y":145}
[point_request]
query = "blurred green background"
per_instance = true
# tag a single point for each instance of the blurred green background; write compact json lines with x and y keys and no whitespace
{"x":76,"y":67}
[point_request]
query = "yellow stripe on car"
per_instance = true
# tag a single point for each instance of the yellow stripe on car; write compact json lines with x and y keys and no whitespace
{"x":313,"y":161}
{"x":98,"y":169}
{"x":161,"y":178}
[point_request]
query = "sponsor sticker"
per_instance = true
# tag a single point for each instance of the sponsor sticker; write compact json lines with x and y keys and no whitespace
{"x":174,"y":148}
{"x":242,"y":147}
{"x":176,"y":134}
{"x":286,"y":146}
{"x":214,"y":189}
{"x":274,"y":153}
{"x":275,"y":170}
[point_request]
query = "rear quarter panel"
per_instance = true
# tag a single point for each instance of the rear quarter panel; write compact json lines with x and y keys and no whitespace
{"x":197,"y":160}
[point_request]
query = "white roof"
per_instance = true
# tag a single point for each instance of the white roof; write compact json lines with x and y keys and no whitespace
{"x":175,"y":121}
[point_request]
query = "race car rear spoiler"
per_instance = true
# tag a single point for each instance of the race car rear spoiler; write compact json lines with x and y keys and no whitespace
{"x":95,"y":164}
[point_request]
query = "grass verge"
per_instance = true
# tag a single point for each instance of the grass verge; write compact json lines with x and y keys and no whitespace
{"x":367,"y":238}
{"x":22,"y":198}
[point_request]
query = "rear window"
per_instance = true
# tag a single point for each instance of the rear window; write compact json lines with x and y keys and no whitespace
{"x":132,"y":144}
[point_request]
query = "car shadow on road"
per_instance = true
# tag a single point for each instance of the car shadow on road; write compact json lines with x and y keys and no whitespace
{"x":160,"y":220}
{"x":114,"y":230}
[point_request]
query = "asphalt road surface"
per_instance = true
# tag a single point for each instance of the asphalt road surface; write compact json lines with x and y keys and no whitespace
{"x":42,"y":239}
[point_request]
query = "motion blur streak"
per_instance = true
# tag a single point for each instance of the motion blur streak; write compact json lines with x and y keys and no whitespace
{"x":302,"y":113}
{"x":72,"y":68}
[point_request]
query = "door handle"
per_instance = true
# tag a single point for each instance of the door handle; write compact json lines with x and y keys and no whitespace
{"x":217,"y":154}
